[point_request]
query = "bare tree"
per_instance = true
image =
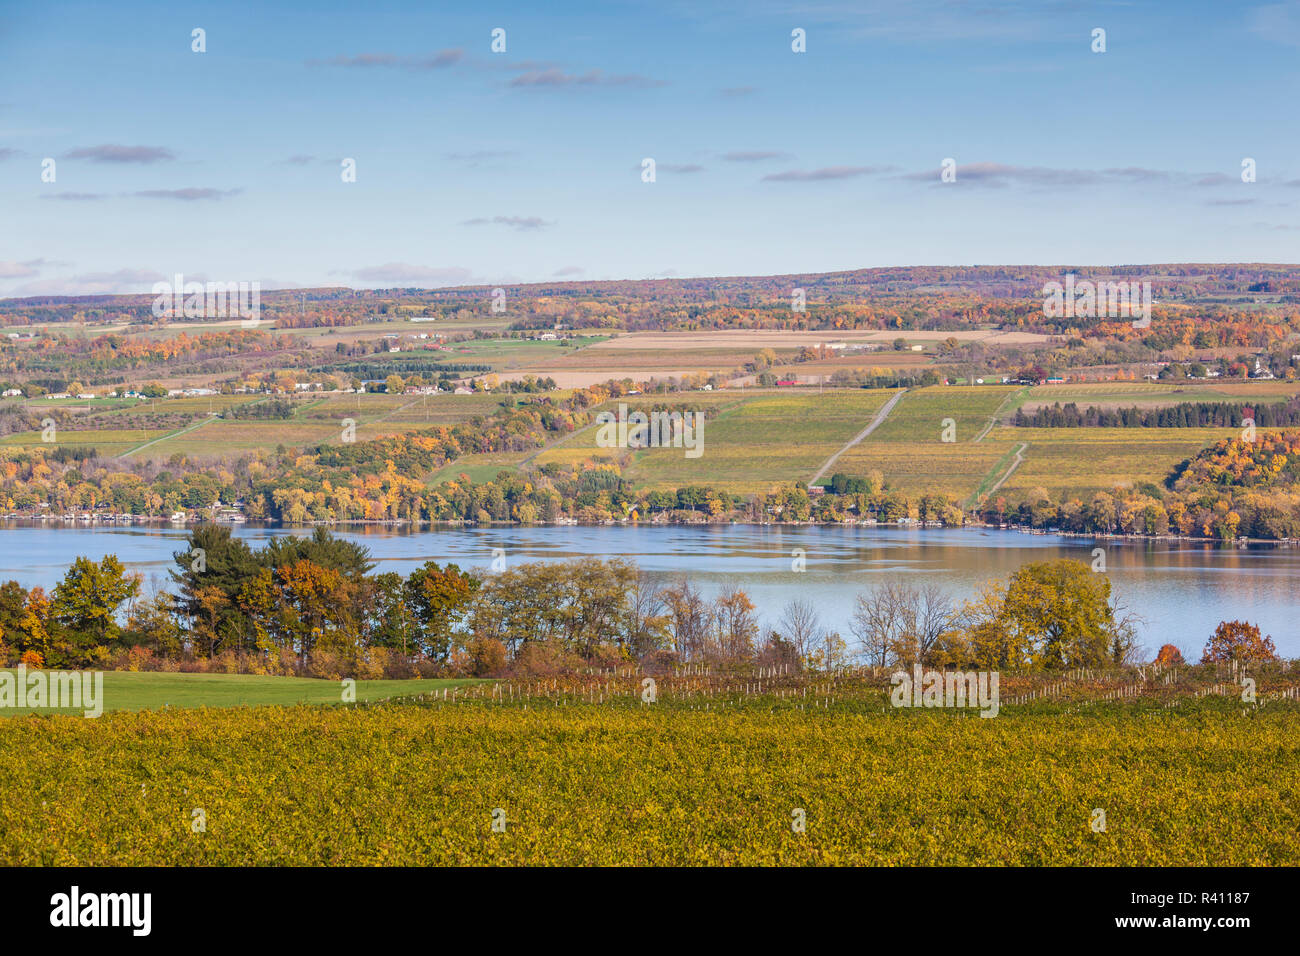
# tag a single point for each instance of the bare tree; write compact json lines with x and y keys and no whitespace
{"x":799,"y":625}
{"x":690,"y":619}
{"x":876,"y":624}
{"x":931,"y":614}
{"x":902,"y":623}
{"x":648,"y":613}
{"x":735,"y":624}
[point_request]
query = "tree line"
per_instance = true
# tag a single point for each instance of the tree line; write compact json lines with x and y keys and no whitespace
{"x":1184,"y":415}
{"x":313,"y":606}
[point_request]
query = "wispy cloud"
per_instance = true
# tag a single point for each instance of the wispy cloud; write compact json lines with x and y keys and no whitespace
{"x":739,"y":90}
{"x":118,"y":282}
{"x":555,"y":78}
{"x":111,"y":153}
{"x":1005,"y":174}
{"x":753,"y":156}
{"x":440,"y":60}
{"x":568,"y":271}
{"x":20,"y":270}
{"x":520,"y":223}
{"x":825,"y":173}
{"x":75,"y":197}
{"x":298,"y":159}
{"x":188,"y":194}
{"x":7,"y":153}
{"x":477,"y":156}
{"x":434,"y":61}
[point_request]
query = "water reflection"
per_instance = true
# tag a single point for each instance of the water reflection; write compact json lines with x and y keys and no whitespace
{"x":1181,"y":589}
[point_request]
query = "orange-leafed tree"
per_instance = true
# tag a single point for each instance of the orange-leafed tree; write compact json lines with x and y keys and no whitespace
{"x":1169,"y":655}
{"x":1238,"y":641}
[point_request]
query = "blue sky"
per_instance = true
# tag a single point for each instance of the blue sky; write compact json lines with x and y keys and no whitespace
{"x":476,"y":167}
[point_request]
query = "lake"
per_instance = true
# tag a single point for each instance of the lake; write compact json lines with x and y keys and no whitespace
{"x":1182,"y":589}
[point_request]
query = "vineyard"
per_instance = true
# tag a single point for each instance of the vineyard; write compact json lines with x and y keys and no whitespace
{"x":1151,"y":766}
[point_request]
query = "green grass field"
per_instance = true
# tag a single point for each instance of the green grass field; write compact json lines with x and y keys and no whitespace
{"x":151,"y":690}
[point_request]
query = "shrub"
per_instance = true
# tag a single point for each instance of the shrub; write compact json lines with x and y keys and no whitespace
{"x":487,"y":656}
{"x":1169,"y":655}
{"x":325,"y":665}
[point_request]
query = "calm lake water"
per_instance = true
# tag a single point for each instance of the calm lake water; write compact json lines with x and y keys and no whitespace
{"x":1181,"y":589}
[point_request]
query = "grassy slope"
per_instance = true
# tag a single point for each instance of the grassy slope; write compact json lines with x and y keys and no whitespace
{"x":764,"y":437}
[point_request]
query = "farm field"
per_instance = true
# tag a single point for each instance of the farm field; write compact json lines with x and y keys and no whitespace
{"x":111,"y":442}
{"x":1082,"y":461}
{"x":507,"y":354}
{"x":1155,"y":394}
{"x":412,"y":409}
{"x":908,"y":450}
{"x":925,"y":467}
{"x":316,"y":418}
{"x":768,"y":437}
{"x":579,"y":782}
{"x":1070,"y":461}
{"x":921,"y":414}
{"x":754,"y":339}
{"x":152,"y":690}
{"x":760,"y":438}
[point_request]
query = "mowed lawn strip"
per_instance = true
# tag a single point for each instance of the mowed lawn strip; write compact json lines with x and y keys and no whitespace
{"x":151,"y":690}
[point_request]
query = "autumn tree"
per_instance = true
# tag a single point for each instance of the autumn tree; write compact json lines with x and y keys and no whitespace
{"x":1059,"y":615}
{"x":210,"y":574}
{"x":736,"y":624}
{"x":439,"y":599}
{"x":690,"y":619}
{"x":1238,"y":641}
{"x":89,"y":596}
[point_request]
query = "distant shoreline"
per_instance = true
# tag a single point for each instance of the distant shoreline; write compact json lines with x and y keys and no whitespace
{"x":9,"y":521}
